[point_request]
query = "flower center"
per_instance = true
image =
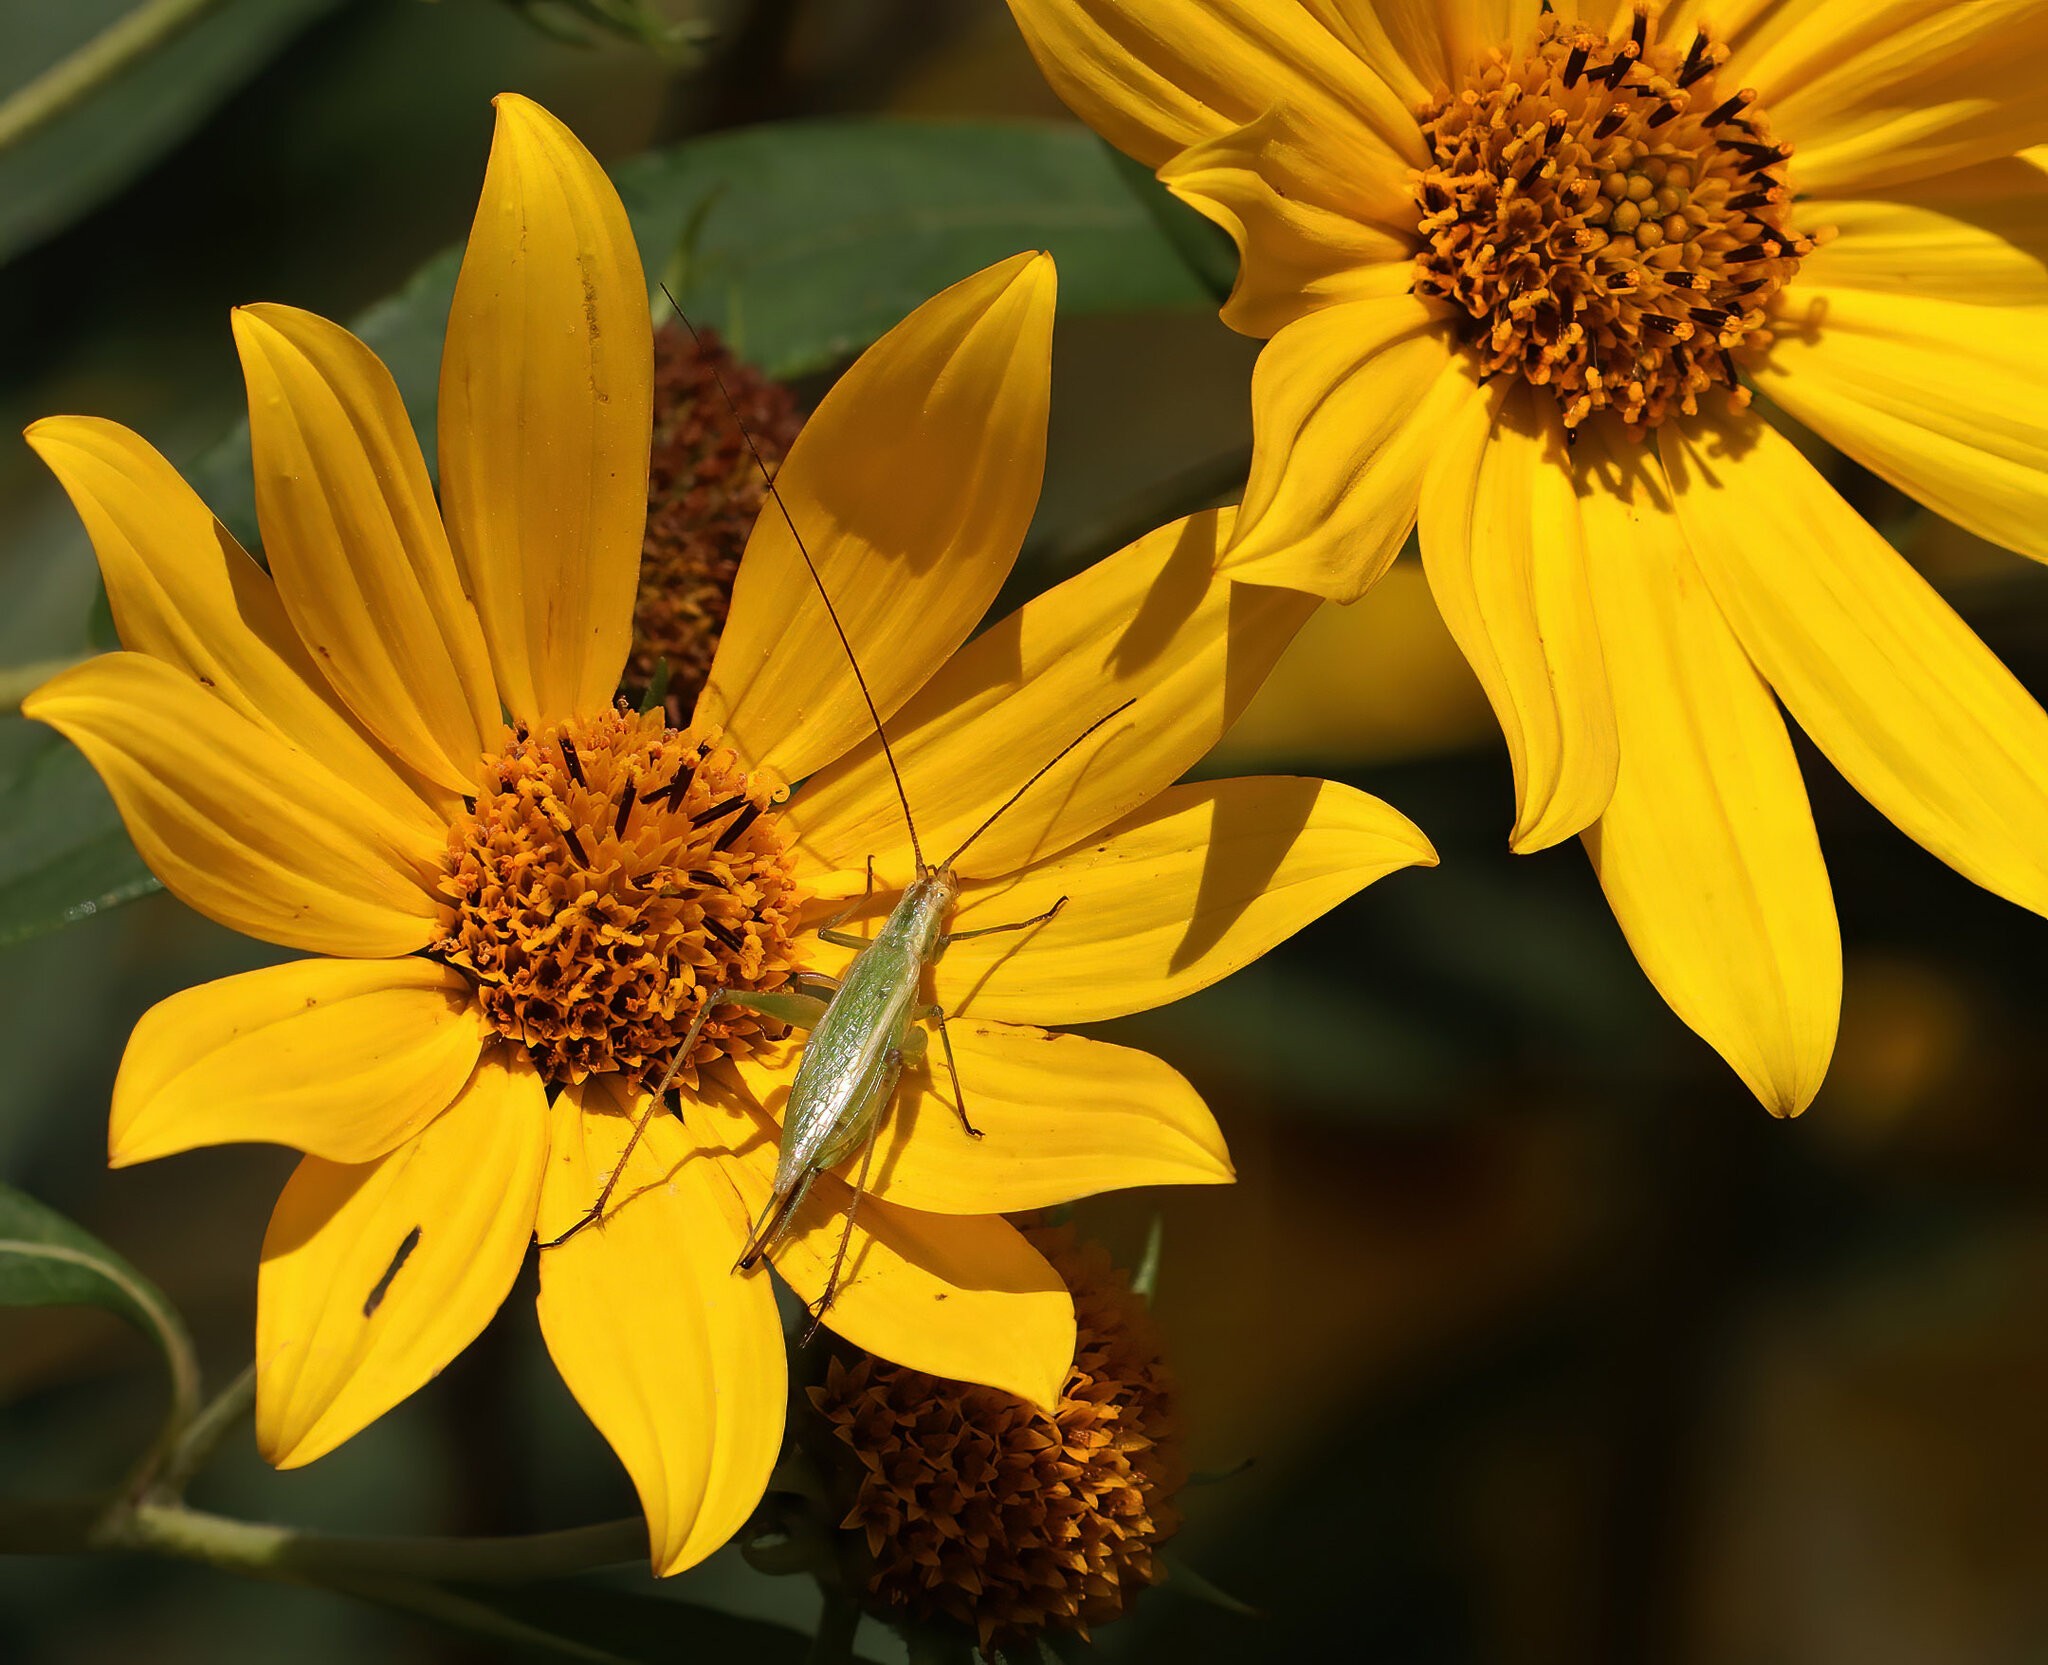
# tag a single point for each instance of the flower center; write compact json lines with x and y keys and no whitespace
{"x":610,"y":873}
{"x":1612,"y":223}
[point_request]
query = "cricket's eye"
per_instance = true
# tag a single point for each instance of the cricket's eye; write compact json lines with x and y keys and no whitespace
{"x":612,"y":871}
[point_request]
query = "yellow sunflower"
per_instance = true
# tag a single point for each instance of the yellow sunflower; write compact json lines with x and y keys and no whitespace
{"x":399,"y":749}
{"x":1521,"y":266}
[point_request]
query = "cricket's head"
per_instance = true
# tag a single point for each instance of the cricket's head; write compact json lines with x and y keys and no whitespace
{"x":925,"y":907}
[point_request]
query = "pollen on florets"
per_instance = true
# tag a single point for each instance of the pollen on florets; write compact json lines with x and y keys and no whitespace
{"x":611,"y":871}
{"x":979,"y":1510}
{"x":704,"y":493}
{"x":1611,"y":223}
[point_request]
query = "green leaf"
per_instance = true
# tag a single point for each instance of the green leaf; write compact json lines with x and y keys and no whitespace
{"x":191,"y":56}
{"x":64,"y":855}
{"x":807,"y":240}
{"x":46,"y":1261}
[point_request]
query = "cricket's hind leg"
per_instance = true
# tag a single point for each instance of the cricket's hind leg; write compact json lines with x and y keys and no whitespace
{"x":800,"y":1010}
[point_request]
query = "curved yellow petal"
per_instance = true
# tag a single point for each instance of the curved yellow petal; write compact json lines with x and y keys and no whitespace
{"x":238,"y":824}
{"x":1707,"y":850}
{"x":912,"y":485}
{"x":1155,"y":623}
{"x":1872,"y":92}
{"x":959,"y":1296}
{"x":374,"y":1277}
{"x":1155,"y":76}
{"x":1501,"y":544}
{"x":344,"y":1059}
{"x":1979,"y":235}
{"x":1892,"y":686}
{"x":183,"y":591}
{"x":1941,"y":398}
{"x":675,"y":1358}
{"x":1201,"y":881}
{"x":547,"y":389}
{"x":1348,"y":406}
{"x":1304,"y":241}
{"x":1060,"y":1117}
{"x":356,"y":545}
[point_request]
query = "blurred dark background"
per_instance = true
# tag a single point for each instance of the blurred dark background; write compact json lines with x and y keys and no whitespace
{"x":1528,"y":1336}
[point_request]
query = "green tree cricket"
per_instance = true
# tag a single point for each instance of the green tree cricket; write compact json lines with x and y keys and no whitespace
{"x":862,"y":1027}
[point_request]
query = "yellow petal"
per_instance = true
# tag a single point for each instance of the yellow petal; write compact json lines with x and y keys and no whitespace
{"x":1060,"y":1116}
{"x":1892,"y":686}
{"x":183,"y":591}
{"x":1155,"y":76}
{"x":546,"y":411}
{"x":1707,"y":850}
{"x":250,"y":831}
{"x":1153,"y":623}
{"x":954,"y":399}
{"x":1348,"y":406}
{"x":677,"y":1359}
{"x":959,"y":1296}
{"x":349,"y":1319}
{"x":1941,"y":398}
{"x":1973,"y":235}
{"x":355,"y":542}
{"x":1501,"y":544}
{"x":1304,"y":241}
{"x":344,"y":1059}
{"x":1872,"y":92}
{"x":1201,"y":881}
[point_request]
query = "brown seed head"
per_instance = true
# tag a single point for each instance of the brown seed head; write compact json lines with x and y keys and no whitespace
{"x":979,"y":1510}
{"x":1611,"y":222}
{"x":704,"y":491}
{"x":611,"y":872}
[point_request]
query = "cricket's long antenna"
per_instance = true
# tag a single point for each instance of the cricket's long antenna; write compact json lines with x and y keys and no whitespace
{"x":831,"y":612}
{"x":1034,"y":780}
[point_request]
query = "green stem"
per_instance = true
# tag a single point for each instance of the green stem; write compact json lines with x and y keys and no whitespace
{"x":71,"y":80}
{"x":261,"y":1550}
{"x":201,"y":1437}
{"x":257,"y":1549}
{"x":838,"y":1623}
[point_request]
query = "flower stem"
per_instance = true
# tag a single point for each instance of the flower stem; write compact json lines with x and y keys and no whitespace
{"x":201,"y":1437}
{"x":113,"y":50}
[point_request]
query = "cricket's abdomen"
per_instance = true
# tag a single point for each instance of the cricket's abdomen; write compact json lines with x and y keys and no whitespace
{"x":837,"y":1093}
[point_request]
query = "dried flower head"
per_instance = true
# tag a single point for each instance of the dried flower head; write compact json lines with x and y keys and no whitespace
{"x":980,"y":1510}
{"x":704,"y":491}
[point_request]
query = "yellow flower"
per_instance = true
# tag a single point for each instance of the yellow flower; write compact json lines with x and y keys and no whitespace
{"x":399,"y":749}
{"x":1520,"y":267}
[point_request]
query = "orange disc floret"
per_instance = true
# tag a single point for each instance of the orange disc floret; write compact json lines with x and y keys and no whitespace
{"x":978,"y":1509}
{"x":1611,"y":223}
{"x":609,"y":871}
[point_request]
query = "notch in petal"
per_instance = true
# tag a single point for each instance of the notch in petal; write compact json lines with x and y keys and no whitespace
{"x":374,"y":1277}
